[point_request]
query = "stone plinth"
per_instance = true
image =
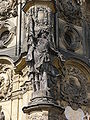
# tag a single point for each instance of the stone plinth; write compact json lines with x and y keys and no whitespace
{"x":44,"y":111}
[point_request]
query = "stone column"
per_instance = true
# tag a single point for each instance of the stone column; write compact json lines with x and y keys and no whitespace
{"x":41,"y":52}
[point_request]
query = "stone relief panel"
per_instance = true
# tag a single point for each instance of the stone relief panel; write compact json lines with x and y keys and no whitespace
{"x":6,"y":74}
{"x":7,"y":33}
{"x":70,"y":10}
{"x":7,"y":8}
{"x":74,"y":86}
{"x":25,"y":83}
{"x":71,"y":38}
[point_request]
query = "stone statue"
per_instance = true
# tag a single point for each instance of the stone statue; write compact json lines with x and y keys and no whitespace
{"x":41,"y":52}
{"x":2,"y":116}
{"x":39,"y":49}
{"x":39,"y":56}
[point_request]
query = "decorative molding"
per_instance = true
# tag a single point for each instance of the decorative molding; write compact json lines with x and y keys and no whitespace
{"x":7,"y":8}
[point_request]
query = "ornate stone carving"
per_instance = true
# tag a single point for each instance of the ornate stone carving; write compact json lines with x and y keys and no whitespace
{"x":7,"y":7}
{"x":2,"y":116}
{"x":6,"y":74}
{"x":71,"y":38}
{"x":7,"y":32}
{"x":73,"y":86}
{"x":70,"y":9}
{"x":41,"y":48}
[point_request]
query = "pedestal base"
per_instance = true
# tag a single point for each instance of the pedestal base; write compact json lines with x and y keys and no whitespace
{"x":45,"y":115}
{"x":42,"y":97}
{"x":44,"y":111}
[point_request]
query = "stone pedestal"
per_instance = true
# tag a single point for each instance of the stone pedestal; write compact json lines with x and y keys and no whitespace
{"x":44,"y":111}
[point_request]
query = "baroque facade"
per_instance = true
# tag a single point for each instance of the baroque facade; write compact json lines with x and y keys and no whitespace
{"x":44,"y":60}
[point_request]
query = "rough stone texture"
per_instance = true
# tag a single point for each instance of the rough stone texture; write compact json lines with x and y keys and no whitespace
{"x":44,"y":59}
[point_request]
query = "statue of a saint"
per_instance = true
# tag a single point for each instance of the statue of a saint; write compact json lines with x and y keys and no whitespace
{"x":40,"y":49}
